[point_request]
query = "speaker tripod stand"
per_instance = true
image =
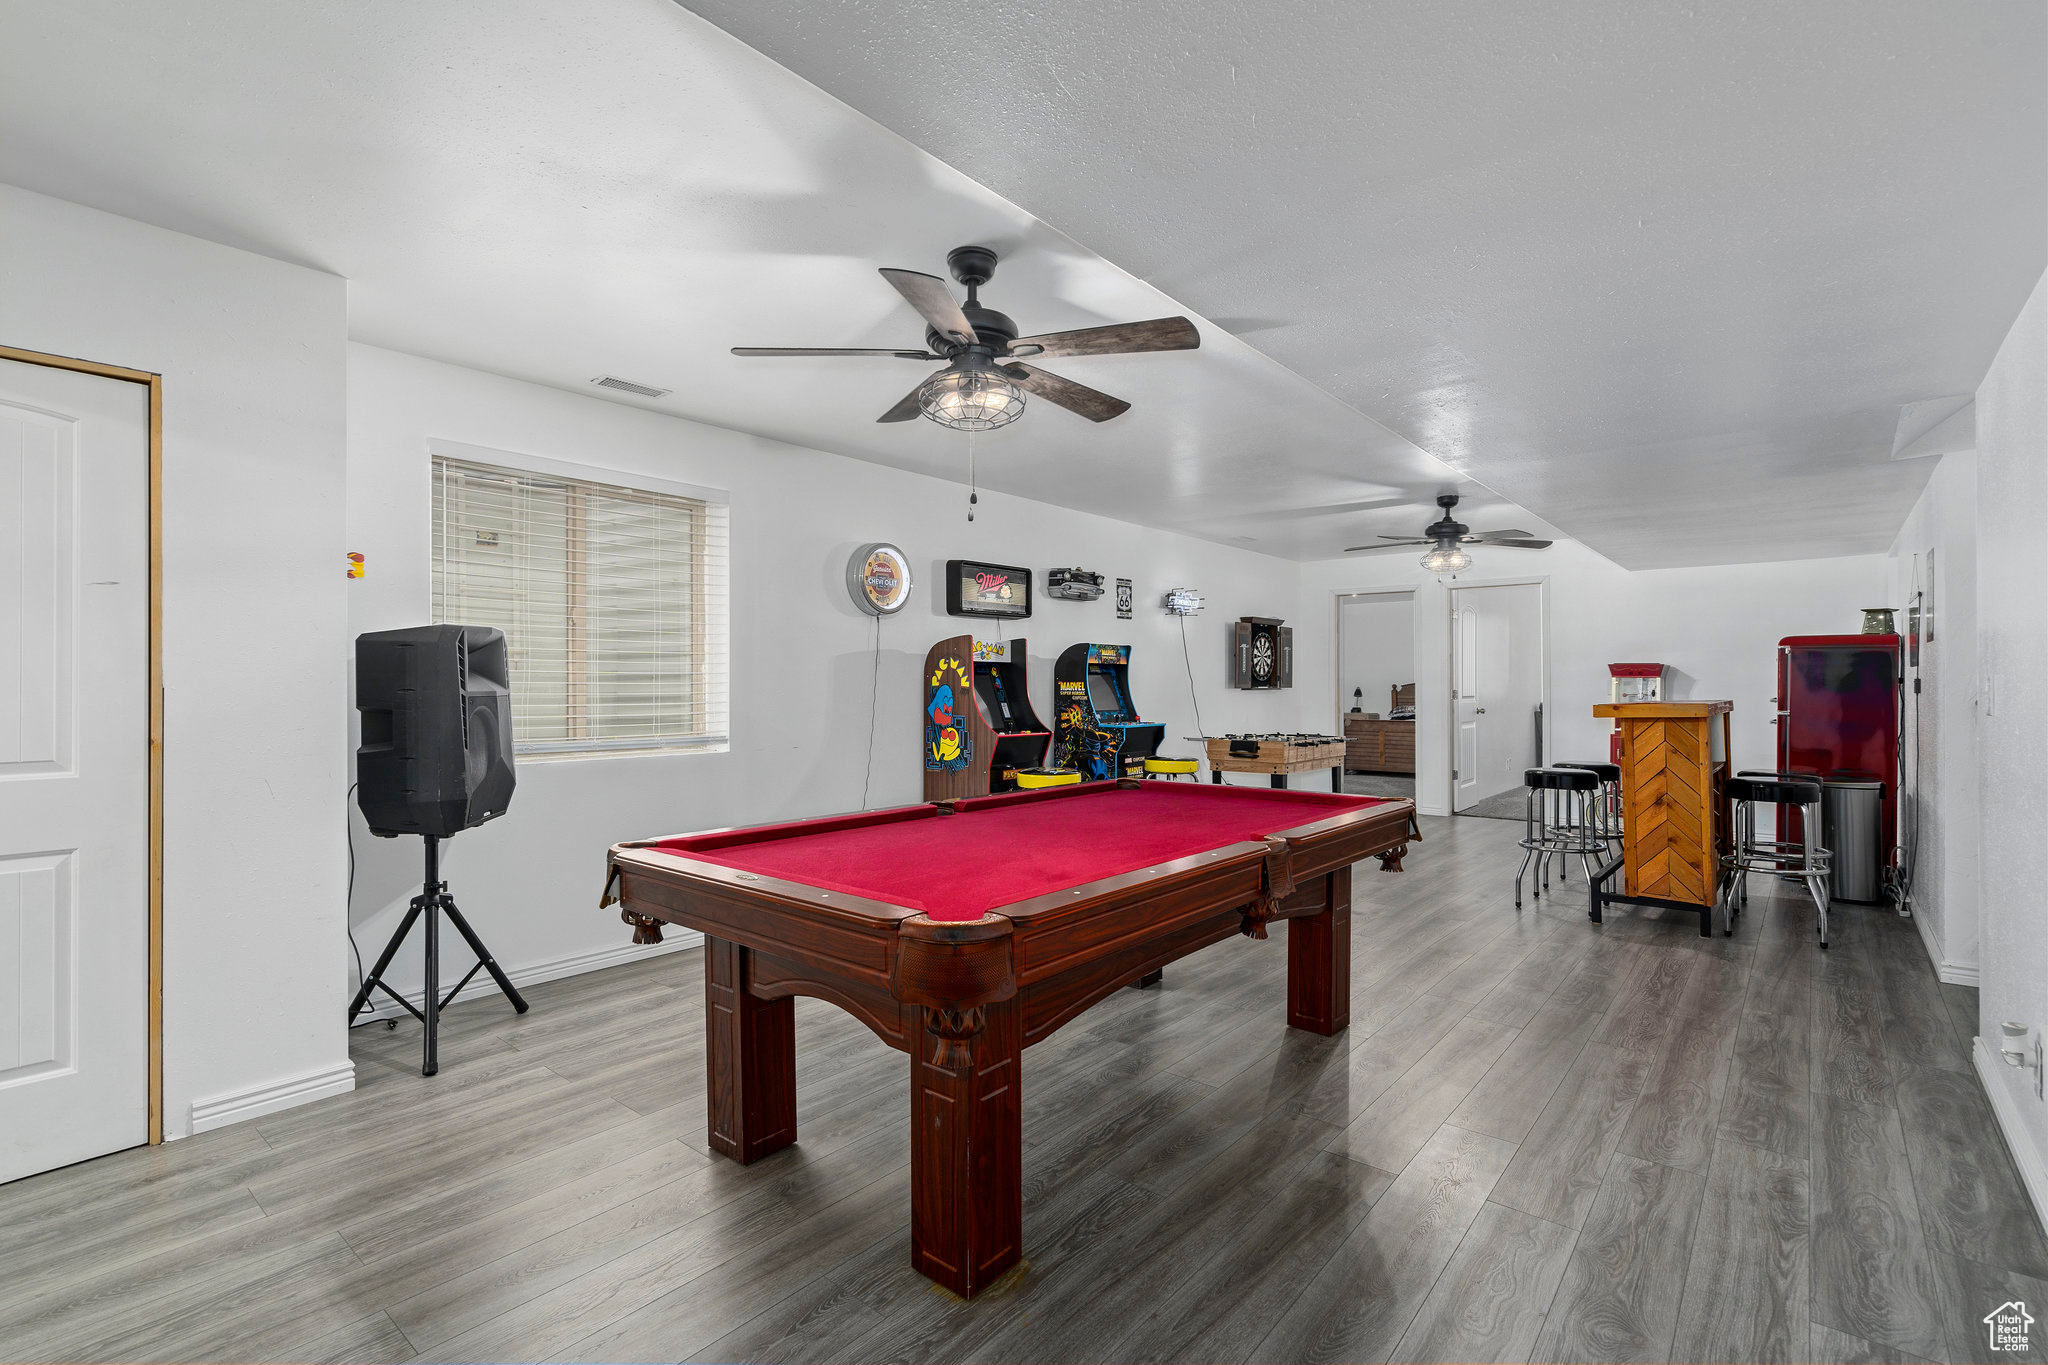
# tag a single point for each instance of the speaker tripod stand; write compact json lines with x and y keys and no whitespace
{"x":433,"y":901}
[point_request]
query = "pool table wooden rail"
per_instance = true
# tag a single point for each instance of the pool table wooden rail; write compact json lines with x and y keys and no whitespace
{"x":1084,"y":942}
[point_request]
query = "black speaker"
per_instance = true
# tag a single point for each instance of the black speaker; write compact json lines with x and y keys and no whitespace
{"x":436,"y":702}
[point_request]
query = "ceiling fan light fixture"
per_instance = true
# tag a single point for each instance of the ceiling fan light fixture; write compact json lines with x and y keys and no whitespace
{"x":969,"y":397}
{"x":1447,"y":558}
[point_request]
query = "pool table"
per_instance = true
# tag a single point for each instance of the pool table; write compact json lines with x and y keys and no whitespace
{"x":964,"y":931}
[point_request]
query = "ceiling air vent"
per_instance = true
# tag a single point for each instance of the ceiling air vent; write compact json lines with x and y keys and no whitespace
{"x":612,"y":381}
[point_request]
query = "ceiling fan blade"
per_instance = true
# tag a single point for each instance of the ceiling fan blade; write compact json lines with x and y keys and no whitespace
{"x":929,"y":296}
{"x":830,"y":350}
{"x":1093,"y":404}
{"x":1522,"y":544}
{"x":1118,"y":338}
{"x":1498,"y":535}
{"x":1387,"y":545}
{"x":1407,"y":540}
{"x":905,"y":409}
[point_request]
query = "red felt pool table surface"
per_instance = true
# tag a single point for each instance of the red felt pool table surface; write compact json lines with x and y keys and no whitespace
{"x":995,"y":851}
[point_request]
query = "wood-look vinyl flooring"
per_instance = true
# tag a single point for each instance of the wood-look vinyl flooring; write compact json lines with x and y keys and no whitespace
{"x":1540,"y":1139}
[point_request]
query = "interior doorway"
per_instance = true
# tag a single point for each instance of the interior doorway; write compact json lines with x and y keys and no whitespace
{"x":1376,"y":693}
{"x":80,"y":762}
{"x":1498,"y":687}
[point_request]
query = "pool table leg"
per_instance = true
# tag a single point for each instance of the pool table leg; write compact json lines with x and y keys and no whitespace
{"x":750,"y":1047}
{"x":967,"y":1148}
{"x":1319,"y":962}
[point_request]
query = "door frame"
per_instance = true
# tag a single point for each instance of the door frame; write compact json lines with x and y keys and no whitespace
{"x":1337,"y":635}
{"x":155,"y":384}
{"x":1541,"y":582}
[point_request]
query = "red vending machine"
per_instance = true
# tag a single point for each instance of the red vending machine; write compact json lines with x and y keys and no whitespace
{"x":1838,"y":718}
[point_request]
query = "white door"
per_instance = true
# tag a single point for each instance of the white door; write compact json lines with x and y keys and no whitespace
{"x":74,"y":767}
{"x":1496,"y":685}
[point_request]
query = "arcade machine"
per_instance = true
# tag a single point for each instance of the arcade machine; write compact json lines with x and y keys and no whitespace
{"x":1021,"y":738}
{"x":980,"y":733}
{"x":1838,"y":718}
{"x":1096,"y":727}
{"x":1630,"y":683}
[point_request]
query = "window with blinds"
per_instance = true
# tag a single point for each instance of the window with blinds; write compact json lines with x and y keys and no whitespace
{"x":612,"y":600}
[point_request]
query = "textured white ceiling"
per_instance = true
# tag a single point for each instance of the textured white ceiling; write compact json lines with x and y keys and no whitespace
{"x":1664,"y":273}
{"x":558,"y":191}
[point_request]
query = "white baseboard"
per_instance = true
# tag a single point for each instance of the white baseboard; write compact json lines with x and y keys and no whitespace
{"x":222,"y":1110}
{"x":1949,"y":973}
{"x":2025,"y":1155}
{"x":675,"y":940}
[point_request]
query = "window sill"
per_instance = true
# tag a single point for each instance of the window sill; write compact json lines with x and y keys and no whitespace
{"x":624,"y":750}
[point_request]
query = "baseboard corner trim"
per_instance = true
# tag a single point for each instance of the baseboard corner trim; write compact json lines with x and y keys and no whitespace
{"x":2025,"y":1155}
{"x":1946,"y":972}
{"x":240,"y":1105}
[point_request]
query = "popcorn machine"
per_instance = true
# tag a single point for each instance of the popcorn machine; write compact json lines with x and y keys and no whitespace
{"x":1627,"y":683}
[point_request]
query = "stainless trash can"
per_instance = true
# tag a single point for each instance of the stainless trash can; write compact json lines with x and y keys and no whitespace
{"x":1851,"y":815}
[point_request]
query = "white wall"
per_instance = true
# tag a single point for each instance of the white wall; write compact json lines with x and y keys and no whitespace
{"x":2012,"y":727}
{"x":529,"y":881}
{"x":1717,"y":627}
{"x":1377,"y":639}
{"x":1940,"y":768}
{"x":251,"y":351}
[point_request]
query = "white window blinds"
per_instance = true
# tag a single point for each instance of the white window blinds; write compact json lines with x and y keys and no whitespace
{"x":612,"y":600}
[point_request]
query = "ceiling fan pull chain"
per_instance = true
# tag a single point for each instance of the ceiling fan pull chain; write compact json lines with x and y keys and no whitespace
{"x":973,"y":491}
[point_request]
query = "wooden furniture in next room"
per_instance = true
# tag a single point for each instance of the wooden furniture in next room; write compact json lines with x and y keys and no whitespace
{"x":1381,"y":746}
{"x":1674,"y":810}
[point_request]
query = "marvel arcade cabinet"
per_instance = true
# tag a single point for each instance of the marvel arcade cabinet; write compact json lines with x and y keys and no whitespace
{"x":1838,"y":718}
{"x":1096,"y":727}
{"x":980,"y":732}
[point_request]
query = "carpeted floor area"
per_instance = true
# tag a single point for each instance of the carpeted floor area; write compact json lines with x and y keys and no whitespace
{"x":1506,"y":806}
{"x":1379,"y":784}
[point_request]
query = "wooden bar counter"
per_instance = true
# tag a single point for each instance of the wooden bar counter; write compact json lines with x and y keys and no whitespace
{"x":1674,"y":767}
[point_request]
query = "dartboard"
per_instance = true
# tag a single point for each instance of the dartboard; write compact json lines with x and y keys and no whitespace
{"x":1262,"y":656}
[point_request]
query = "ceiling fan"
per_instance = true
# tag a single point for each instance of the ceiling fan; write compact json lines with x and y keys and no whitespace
{"x":984,"y":382}
{"x":1448,"y":537}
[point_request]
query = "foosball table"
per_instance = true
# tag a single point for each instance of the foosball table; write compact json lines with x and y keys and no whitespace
{"x":1278,"y":756}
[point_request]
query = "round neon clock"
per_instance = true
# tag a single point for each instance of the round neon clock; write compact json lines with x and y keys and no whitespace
{"x":878,"y":576}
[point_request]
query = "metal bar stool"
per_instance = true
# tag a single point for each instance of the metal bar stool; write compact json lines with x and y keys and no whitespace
{"x":1167,"y":769}
{"x":1785,"y":851}
{"x":1569,"y":793}
{"x":1609,"y":803}
{"x":1806,"y":860}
